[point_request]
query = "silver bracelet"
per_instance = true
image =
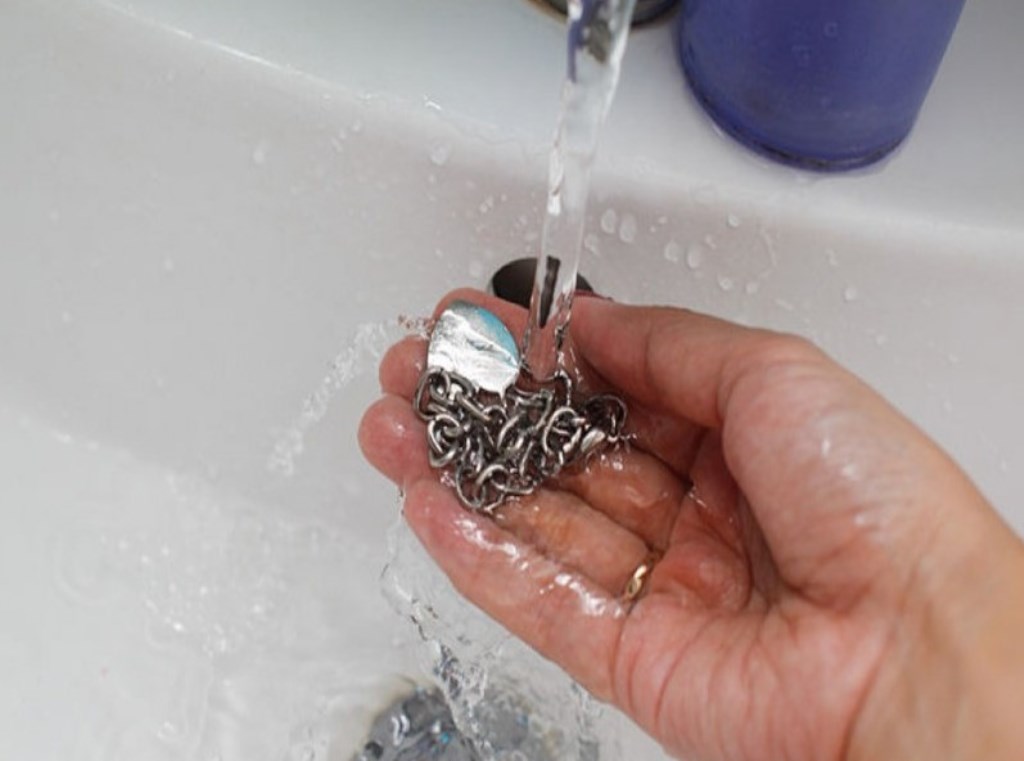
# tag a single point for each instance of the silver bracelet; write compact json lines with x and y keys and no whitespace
{"x":499,"y":434}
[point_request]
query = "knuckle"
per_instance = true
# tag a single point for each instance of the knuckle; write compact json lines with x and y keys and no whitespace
{"x":774,"y":360}
{"x":784,"y":349}
{"x":777,"y":373}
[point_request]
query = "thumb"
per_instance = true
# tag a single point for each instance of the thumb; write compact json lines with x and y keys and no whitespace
{"x":841,"y":484}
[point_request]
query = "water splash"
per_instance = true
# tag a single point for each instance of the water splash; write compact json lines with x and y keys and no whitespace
{"x":360,"y":355}
{"x":506,"y":700}
{"x":207,"y":625}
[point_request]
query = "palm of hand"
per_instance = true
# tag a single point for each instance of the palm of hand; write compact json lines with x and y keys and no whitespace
{"x":735,"y":650}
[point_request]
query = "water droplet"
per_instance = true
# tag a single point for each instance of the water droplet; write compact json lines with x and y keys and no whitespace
{"x":694,"y":256}
{"x":785,"y":304}
{"x":662,"y":220}
{"x":947,"y":406}
{"x":486,"y":205}
{"x":66,"y":318}
{"x":357,"y":126}
{"x":476,"y":269}
{"x":673,"y":252}
{"x":710,"y":242}
{"x":953,"y":359}
{"x":768,"y":240}
{"x":554,"y":207}
{"x":440,"y":153}
{"x":752,"y":287}
{"x":832,"y":257}
{"x":850,"y":294}
{"x":168,"y":732}
{"x":168,"y":265}
{"x":733,"y":221}
{"x":726,"y":283}
{"x":592,"y":244}
{"x":831,"y":29}
{"x":53,"y":215}
{"x":609,"y":221}
{"x":881,"y":339}
{"x":259,"y":153}
{"x":627,"y":229}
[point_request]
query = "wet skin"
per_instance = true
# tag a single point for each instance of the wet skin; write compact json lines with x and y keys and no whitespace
{"x":813,"y":597}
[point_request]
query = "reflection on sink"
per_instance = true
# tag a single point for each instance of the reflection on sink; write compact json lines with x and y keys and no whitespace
{"x":210,"y":230}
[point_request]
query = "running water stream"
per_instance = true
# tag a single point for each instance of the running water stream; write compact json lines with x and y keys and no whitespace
{"x":505,"y":702}
{"x":596,"y":44}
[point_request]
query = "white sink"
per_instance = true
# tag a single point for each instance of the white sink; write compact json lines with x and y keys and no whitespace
{"x":202,"y":208}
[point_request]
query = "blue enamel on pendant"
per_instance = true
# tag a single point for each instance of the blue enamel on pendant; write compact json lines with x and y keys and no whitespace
{"x":473,"y":342}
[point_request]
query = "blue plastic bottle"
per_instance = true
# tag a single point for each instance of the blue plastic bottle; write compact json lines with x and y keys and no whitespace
{"x":826,"y":84}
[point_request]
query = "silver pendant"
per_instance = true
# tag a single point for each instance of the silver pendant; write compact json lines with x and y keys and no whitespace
{"x":473,"y":342}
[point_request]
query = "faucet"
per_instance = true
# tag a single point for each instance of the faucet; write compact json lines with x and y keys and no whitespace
{"x":646,"y":10}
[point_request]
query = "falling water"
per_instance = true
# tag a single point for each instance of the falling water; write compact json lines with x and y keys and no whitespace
{"x":506,"y":702}
{"x":597,"y":42}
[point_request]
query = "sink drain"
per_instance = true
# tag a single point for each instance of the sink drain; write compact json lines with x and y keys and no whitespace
{"x":416,"y":727}
{"x":419,"y":727}
{"x":514,"y":281}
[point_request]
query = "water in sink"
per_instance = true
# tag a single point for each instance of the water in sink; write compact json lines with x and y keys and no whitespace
{"x":193,"y":623}
{"x":508,"y":702}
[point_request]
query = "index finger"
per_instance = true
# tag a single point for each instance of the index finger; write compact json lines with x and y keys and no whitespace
{"x":674,"y":360}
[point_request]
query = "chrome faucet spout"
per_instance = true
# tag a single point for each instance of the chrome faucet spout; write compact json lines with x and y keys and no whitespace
{"x":646,"y":10}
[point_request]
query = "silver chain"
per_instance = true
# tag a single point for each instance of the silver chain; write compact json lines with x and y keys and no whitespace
{"x":499,"y":446}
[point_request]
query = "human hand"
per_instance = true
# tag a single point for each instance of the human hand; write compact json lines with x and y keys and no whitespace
{"x":826,"y":573}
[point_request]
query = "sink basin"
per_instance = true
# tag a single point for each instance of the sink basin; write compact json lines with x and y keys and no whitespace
{"x":215,"y":214}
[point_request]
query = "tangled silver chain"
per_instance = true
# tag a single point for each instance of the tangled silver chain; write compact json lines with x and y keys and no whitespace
{"x":499,"y":446}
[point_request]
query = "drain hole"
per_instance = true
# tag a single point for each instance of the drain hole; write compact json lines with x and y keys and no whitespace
{"x":419,"y":726}
{"x":416,"y":727}
{"x":514,"y":282}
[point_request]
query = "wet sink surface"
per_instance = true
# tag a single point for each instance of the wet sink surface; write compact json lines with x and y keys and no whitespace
{"x":211,"y":221}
